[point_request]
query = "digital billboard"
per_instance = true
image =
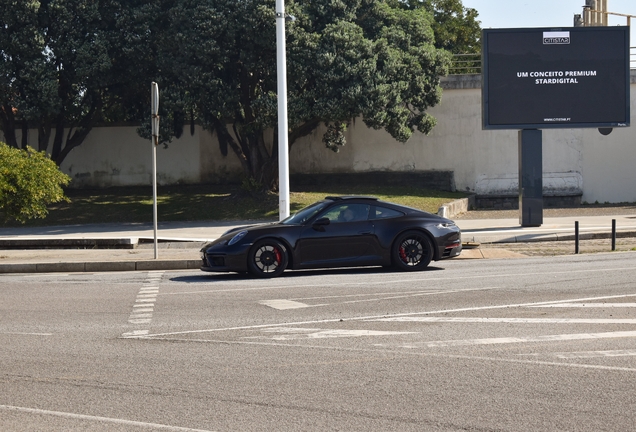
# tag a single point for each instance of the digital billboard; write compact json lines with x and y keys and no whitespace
{"x":536,"y":78}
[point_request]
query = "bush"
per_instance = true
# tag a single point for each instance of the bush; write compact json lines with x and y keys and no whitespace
{"x":29,"y":181}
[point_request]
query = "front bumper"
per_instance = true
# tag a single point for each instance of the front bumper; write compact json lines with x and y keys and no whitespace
{"x":220,"y":259}
{"x":451,"y":250}
{"x":451,"y":246}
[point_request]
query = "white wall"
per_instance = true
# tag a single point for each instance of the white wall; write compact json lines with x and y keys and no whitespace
{"x":575,"y":161}
{"x":602,"y":168}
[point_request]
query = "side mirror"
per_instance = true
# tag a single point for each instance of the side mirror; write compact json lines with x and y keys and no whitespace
{"x":320,"y":224}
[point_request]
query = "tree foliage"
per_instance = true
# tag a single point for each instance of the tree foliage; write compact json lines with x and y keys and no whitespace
{"x":346,"y":59}
{"x":68,"y":65}
{"x":456,"y":27}
{"x":29,"y":181}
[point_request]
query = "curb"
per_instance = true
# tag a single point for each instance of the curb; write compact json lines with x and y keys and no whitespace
{"x":78,"y":243}
{"x":536,"y":238}
{"x":101,"y":266}
{"x":453,"y":208}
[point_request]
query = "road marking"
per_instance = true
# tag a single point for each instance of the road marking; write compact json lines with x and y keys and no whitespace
{"x":145,"y":300}
{"x":145,"y":303}
{"x":597,"y":354}
{"x":589,"y":305}
{"x":313,"y":333}
{"x":509,"y":320}
{"x":419,"y":277}
{"x":542,"y":363}
{"x":281,"y":303}
{"x":153,"y":426}
{"x":376,"y":317}
{"x":584,"y":354}
{"x":135,"y":333}
{"x":26,"y":334}
{"x":509,"y":340}
{"x":143,"y":309}
{"x":284,"y":304}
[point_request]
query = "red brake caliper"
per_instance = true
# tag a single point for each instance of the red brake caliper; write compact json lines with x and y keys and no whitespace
{"x":278,"y":255}
{"x":403,"y":254}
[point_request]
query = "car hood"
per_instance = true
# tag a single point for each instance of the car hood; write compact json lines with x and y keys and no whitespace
{"x":253,"y":230}
{"x":250,"y":228}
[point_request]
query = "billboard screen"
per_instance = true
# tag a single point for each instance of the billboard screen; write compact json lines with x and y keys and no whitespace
{"x":536,"y":78}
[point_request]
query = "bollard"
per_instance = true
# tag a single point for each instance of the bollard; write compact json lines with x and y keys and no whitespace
{"x":613,"y":235}
{"x":576,"y":237}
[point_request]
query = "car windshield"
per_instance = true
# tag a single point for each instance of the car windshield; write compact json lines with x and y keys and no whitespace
{"x":305,"y":214}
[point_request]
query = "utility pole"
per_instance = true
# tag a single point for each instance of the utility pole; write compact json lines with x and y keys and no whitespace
{"x":283,"y":146}
{"x":154,"y":120}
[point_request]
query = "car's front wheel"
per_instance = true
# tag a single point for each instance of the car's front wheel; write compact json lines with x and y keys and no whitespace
{"x":267,"y":258}
{"x":412,"y":251}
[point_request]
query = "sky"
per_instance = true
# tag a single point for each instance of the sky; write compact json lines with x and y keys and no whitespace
{"x":544,"y":13}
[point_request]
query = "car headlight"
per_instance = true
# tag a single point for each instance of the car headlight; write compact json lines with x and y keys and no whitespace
{"x":446,"y":225}
{"x":236,"y":238}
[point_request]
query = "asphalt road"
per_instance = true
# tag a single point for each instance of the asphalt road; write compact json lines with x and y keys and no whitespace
{"x":545,"y":343}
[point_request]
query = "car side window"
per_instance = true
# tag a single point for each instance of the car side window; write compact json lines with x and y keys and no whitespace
{"x":385,"y":213}
{"x":347,"y":213}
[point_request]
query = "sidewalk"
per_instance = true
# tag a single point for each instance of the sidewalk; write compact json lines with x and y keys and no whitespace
{"x":128,"y":247}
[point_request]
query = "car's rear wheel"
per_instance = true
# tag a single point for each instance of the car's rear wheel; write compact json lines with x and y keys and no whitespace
{"x":412,"y":251}
{"x":267,"y":258}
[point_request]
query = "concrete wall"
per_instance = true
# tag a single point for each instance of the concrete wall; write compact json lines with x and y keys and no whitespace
{"x":575,"y":161}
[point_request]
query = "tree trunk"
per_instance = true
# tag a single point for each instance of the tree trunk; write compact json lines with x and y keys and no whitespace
{"x":8,"y":126}
{"x":44,"y":135}
{"x":25,"y":134}
{"x":257,"y":162}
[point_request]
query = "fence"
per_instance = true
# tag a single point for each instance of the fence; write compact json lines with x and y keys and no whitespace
{"x":471,"y":63}
{"x":465,"y":64}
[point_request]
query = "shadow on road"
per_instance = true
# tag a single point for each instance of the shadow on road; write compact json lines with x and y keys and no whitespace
{"x":290,"y":274}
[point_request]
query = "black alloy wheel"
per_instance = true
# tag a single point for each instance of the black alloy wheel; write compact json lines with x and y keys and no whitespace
{"x":267,"y":258}
{"x":412,"y":251}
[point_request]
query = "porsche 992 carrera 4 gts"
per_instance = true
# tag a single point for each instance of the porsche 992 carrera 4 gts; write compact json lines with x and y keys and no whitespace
{"x":336,"y":232}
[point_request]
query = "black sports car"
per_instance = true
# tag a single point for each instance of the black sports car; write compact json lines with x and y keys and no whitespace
{"x":343,"y":231}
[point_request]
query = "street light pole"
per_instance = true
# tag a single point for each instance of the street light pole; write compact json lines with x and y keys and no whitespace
{"x":154,"y":120}
{"x":283,"y":145}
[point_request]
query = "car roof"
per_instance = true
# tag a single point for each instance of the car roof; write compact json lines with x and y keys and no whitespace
{"x":350,"y":197}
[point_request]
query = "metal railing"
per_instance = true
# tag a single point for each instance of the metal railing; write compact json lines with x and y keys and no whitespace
{"x":463,"y":64}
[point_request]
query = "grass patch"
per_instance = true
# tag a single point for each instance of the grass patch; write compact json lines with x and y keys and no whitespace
{"x":212,"y":202}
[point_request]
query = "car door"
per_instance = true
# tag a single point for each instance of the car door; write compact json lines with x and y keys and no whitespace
{"x":344,"y":241}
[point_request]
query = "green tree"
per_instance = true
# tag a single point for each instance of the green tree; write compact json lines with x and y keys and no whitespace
{"x":25,"y":79}
{"x":456,"y":27}
{"x":29,"y":181}
{"x":346,"y":59}
{"x":69,"y":65}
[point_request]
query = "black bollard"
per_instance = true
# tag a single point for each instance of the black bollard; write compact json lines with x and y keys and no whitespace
{"x":613,"y":235}
{"x":576,"y":237}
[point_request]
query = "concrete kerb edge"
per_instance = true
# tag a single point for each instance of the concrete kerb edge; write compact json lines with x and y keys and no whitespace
{"x":101,"y":266}
{"x":453,"y":208}
{"x":529,"y":238}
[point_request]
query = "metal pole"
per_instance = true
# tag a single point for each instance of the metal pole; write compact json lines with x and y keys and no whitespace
{"x":613,"y":234}
{"x":283,"y":146}
{"x":576,"y":237}
{"x":154,"y":119}
{"x":154,"y":197}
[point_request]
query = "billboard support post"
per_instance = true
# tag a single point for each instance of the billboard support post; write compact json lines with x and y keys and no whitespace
{"x":530,"y":177}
